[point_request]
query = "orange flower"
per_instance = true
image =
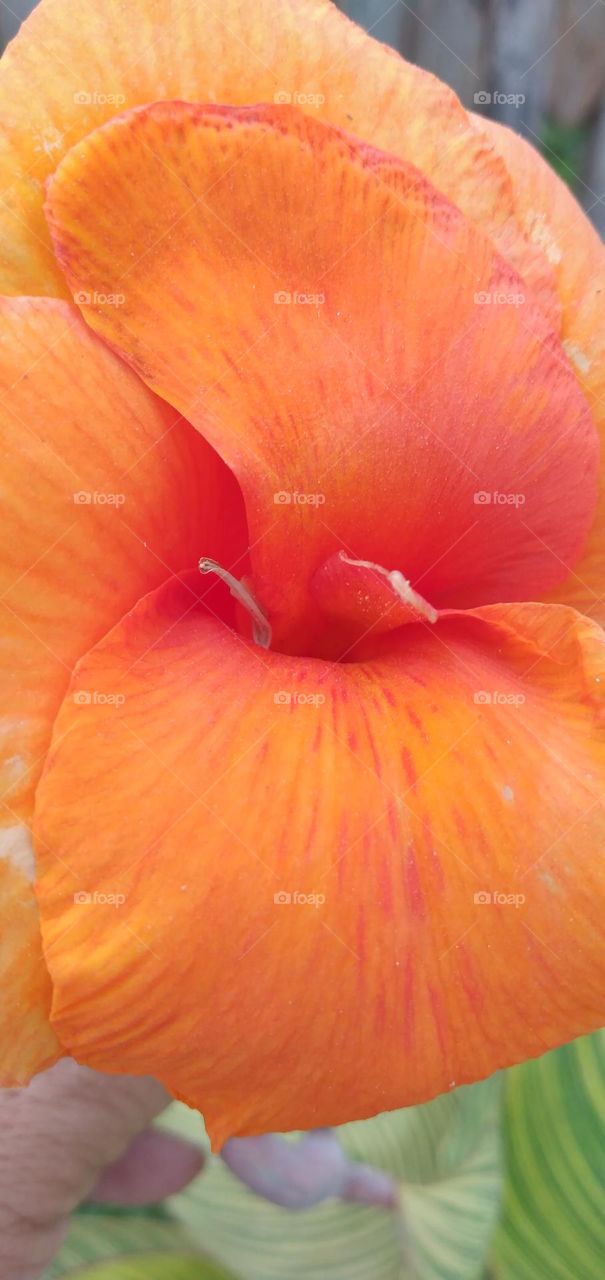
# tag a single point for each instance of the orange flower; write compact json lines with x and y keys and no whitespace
{"x":318,"y":834}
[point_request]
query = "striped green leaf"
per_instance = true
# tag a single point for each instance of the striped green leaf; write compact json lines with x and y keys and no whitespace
{"x":553,"y":1221}
{"x":95,"y":1236}
{"x":107,"y":1243}
{"x":153,"y":1266}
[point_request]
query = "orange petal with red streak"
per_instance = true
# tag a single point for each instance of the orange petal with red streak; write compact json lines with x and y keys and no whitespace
{"x":302,"y":851}
{"x":554,"y":221}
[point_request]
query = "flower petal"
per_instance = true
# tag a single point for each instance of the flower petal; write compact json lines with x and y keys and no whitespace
{"x":304,"y":852}
{"x":105,"y":491}
{"x":227,"y":51}
{"x":553,"y":219}
{"x":29,"y":1043}
{"x":348,"y":342}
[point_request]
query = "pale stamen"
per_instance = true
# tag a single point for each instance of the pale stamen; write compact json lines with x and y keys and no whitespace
{"x":261,"y":627}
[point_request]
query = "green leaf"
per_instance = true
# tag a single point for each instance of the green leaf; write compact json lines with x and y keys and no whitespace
{"x":553,"y":1221}
{"x":153,"y":1266}
{"x":445,"y":1156}
{"x":105,"y":1243}
{"x":451,"y":1217}
{"x":96,"y":1234}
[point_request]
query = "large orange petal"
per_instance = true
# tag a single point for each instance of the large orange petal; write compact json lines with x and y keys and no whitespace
{"x":319,"y":311}
{"x":105,"y":491}
{"x":553,"y":219}
{"x":60,"y":79}
{"x":300,"y":852}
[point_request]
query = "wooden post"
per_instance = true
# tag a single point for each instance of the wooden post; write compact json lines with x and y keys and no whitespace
{"x":595,"y":177}
{"x":523,"y":35}
{"x":578,"y":63}
{"x":450,"y":39}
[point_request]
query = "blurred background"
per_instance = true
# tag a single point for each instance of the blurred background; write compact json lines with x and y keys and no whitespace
{"x":537,"y":65}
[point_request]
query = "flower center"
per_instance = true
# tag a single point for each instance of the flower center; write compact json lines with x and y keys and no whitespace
{"x":351,"y":602}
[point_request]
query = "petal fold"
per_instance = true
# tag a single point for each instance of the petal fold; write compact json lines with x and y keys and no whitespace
{"x":105,"y":492}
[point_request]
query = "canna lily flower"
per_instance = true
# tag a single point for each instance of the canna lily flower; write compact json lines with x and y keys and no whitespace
{"x":318,"y":830}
